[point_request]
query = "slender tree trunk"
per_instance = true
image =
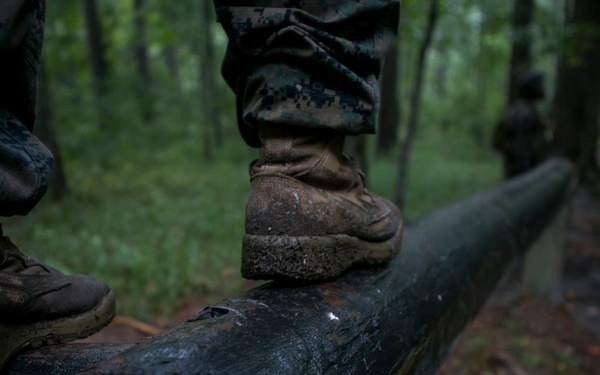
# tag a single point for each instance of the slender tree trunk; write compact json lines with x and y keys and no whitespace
{"x":141,"y":48}
{"x":389,"y":117}
{"x":208,"y":85}
{"x":95,"y":45}
{"x":145,"y":85}
{"x":520,"y":59}
{"x":415,"y":105}
{"x":478,"y":129}
{"x":170,"y":57}
{"x":576,"y":103}
{"x":171,"y":61}
{"x":97,"y":56}
{"x":44,"y":129}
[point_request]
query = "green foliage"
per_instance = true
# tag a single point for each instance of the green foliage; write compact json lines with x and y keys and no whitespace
{"x":158,"y":224}
{"x":465,"y":81}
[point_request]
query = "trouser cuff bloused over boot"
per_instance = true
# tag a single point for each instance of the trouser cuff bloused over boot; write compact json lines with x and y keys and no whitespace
{"x":305,"y":75}
{"x":25,"y":163}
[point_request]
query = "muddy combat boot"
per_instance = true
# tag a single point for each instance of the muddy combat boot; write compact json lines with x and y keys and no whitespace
{"x":309,"y":216}
{"x":41,"y":306}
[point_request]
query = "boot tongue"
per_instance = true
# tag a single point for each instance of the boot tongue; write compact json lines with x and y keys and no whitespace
{"x":13,"y":260}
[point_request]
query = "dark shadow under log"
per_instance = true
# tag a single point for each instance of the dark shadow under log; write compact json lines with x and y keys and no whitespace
{"x":397,"y":319}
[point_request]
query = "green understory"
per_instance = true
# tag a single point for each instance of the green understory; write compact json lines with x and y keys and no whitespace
{"x":158,"y":224}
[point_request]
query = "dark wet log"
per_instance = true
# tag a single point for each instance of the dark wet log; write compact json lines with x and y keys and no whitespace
{"x":62,"y":359}
{"x":398,"y":319}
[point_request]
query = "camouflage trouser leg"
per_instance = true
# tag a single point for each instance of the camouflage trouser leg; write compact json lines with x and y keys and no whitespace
{"x":25,"y":167}
{"x":307,"y":62}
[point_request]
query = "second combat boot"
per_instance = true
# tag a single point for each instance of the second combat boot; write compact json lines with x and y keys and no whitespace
{"x":309,"y":215}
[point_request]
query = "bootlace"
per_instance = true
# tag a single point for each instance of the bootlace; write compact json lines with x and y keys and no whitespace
{"x":13,"y":260}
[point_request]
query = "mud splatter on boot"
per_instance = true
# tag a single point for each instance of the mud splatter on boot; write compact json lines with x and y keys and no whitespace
{"x":309,"y":215}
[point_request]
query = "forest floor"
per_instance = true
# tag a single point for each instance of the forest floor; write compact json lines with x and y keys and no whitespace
{"x":534,"y":336}
{"x":509,"y":336}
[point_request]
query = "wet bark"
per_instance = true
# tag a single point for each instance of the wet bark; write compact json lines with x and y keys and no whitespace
{"x":63,"y":359}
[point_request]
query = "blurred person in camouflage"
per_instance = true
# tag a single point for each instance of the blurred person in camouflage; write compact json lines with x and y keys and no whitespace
{"x":520,"y":136}
{"x":305,"y":76}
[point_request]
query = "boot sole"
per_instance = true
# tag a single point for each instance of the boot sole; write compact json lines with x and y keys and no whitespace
{"x":14,"y":338}
{"x":311,"y":258}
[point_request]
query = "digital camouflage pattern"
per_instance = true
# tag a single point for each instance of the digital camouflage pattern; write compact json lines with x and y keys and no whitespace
{"x":306,"y":62}
{"x":25,"y":163}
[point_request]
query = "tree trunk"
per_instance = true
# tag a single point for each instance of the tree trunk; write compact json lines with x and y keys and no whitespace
{"x":479,"y":124}
{"x":95,"y":46}
{"x":415,"y":104}
{"x":97,"y":55}
{"x":45,"y":131}
{"x":577,"y":97}
{"x":208,"y":86}
{"x":172,"y":64}
{"x":520,"y":59}
{"x":389,"y":118}
{"x":145,"y":86}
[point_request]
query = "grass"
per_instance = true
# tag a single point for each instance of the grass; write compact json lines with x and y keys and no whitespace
{"x":445,"y":168}
{"x":528,"y":332}
{"x":158,"y":224}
